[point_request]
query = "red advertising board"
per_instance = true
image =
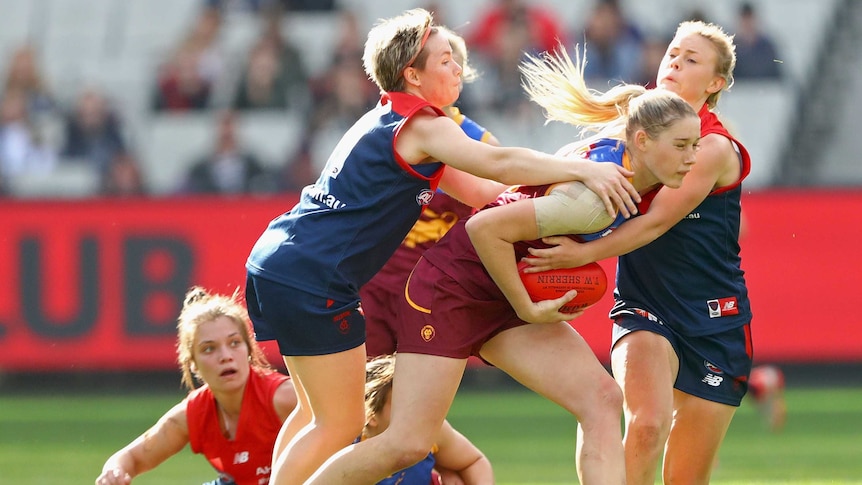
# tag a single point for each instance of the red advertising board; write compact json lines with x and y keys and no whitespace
{"x":98,"y":284}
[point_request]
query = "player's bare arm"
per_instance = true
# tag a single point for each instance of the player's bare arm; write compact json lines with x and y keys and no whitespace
{"x":493,"y":232}
{"x":165,"y":439}
{"x":669,"y":207}
{"x":427,"y":138}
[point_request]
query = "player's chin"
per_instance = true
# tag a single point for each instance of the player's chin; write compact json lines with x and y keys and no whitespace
{"x":676,"y":181}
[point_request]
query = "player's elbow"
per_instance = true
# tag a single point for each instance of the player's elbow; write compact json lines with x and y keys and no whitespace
{"x":477,"y":226}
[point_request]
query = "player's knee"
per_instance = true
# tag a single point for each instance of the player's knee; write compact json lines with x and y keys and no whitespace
{"x":611,"y":395}
{"x":406,"y":450}
{"x":649,"y":431}
{"x":605,"y":405}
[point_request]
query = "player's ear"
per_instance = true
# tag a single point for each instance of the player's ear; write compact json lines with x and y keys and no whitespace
{"x":717,"y":84}
{"x":411,"y":76}
{"x":641,"y":139}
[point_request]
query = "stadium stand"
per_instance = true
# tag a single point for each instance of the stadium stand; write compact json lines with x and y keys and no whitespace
{"x":118,"y":44}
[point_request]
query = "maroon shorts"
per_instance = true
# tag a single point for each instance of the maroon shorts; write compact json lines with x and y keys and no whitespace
{"x":440,"y":317}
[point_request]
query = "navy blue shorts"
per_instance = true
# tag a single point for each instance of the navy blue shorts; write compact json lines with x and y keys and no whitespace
{"x":302,"y":323}
{"x":712,"y":367}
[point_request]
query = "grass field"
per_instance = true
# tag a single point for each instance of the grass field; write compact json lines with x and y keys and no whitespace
{"x":52,"y":439}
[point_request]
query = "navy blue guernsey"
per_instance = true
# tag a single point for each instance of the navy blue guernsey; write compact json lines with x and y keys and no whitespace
{"x":691,"y":276}
{"x":614,"y":151}
{"x":350,"y":221}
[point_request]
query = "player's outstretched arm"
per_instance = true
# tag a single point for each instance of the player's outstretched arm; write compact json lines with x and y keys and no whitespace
{"x":165,"y":439}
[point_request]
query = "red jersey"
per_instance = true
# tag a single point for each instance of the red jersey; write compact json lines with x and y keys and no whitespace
{"x":247,"y":458}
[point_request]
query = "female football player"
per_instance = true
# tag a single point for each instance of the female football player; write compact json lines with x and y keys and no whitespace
{"x":680,"y":293}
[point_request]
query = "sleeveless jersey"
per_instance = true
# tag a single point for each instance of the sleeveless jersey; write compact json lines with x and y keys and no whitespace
{"x":247,"y":458}
{"x":691,"y":276}
{"x":348,"y":223}
{"x":438,"y":217}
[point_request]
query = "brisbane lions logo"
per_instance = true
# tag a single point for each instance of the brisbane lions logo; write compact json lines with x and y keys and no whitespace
{"x":427,"y":333}
{"x":424,"y":197}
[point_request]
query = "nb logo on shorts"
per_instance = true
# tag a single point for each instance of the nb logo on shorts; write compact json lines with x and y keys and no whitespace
{"x":722,"y":307}
{"x":428,"y":333}
{"x":712,"y":380}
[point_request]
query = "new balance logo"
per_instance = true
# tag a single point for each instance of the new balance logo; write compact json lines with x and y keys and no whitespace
{"x":722,"y":307}
{"x":240,"y":457}
{"x":712,"y":380}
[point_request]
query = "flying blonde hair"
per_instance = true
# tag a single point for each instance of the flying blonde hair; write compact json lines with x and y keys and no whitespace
{"x":556,"y":83}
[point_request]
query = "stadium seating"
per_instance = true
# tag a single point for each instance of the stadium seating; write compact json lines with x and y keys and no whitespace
{"x":118,"y":44}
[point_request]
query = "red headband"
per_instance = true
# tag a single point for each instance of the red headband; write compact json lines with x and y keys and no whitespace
{"x":421,"y":46}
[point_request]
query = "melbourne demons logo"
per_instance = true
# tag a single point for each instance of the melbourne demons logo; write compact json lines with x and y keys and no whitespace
{"x":424,"y":197}
{"x":712,"y":367}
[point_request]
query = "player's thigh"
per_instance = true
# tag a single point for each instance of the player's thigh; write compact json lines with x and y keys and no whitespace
{"x":334,"y":385}
{"x":423,"y":389}
{"x":645,"y":366}
{"x":551,"y":359}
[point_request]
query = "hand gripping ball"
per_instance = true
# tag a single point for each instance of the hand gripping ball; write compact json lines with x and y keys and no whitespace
{"x":590,"y":280}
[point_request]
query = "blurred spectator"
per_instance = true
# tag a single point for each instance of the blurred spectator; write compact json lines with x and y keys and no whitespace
{"x":226,"y":6}
{"x":262,"y":85}
{"x":24,"y":75}
{"x":502,"y":35}
{"x":340,"y":95}
{"x":274,"y":75}
{"x":541,"y":28}
{"x":309,"y":5}
{"x":300,"y":169}
{"x":93,"y":131}
{"x":350,"y":43}
{"x":613,"y":46}
{"x":756,"y":55}
{"x":696,"y":14}
{"x":22,"y":147}
{"x":123,"y":177}
{"x":229,"y":169}
{"x":261,"y":5}
{"x":438,"y":10}
{"x":652,"y":52}
{"x":186,"y":80}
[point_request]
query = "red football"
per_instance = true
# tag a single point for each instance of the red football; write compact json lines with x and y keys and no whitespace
{"x":590,"y":281}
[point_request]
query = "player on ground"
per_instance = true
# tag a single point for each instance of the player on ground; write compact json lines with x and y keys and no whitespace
{"x":453,"y":455}
{"x":236,"y":413}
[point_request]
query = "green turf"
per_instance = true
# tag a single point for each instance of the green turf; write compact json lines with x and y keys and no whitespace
{"x":64,"y":440}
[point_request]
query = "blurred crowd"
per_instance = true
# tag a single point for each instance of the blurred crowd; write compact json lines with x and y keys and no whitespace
{"x":41,"y":133}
